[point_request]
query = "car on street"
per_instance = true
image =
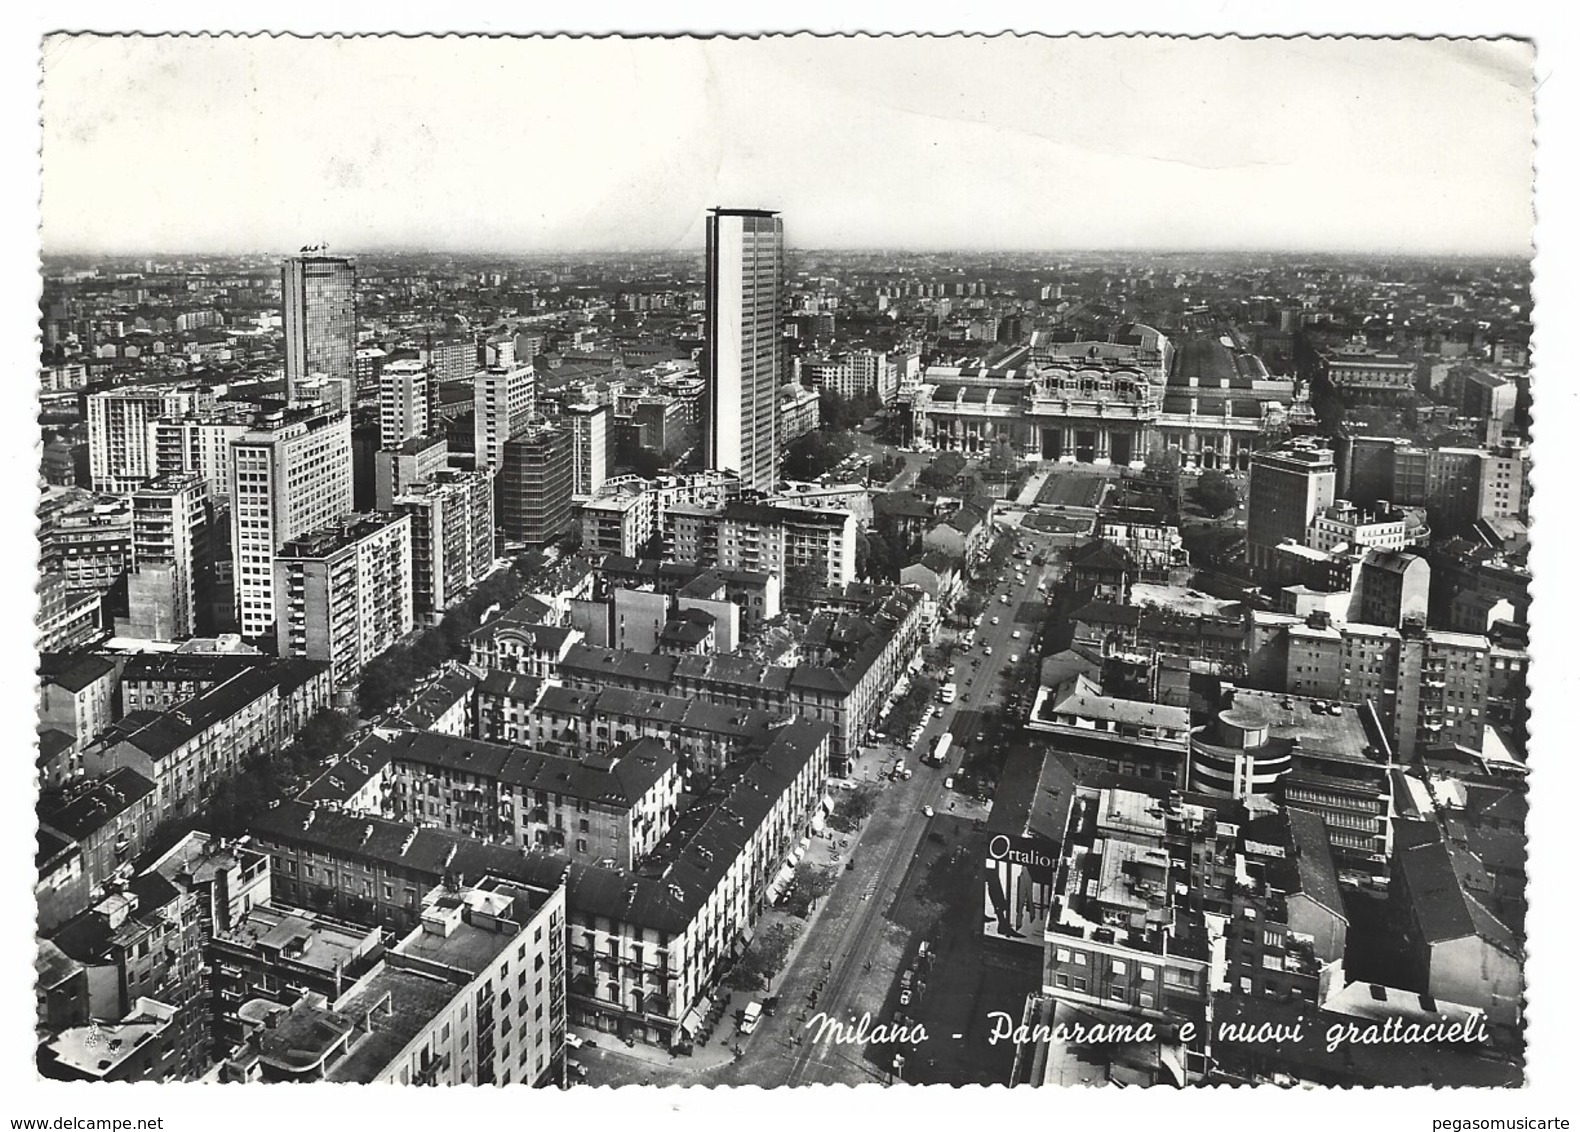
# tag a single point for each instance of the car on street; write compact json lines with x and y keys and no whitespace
{"x":1015,"y":636}
{"x":575,"y":1041}
{"x":987,"y":650}
{"x":751,"y":1016}
{"x":1014,"y":658}
{"x":927,"y":811}
{"x":995,"y":620}
{"x":576,"y":1069}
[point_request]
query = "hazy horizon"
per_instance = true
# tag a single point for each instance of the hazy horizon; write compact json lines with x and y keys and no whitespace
{"x":965,"y":144}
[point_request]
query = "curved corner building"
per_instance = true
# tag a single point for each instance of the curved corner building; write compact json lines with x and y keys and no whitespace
{"x":1235,"y":756}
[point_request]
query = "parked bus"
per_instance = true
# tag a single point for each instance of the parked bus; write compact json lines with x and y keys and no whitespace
{"x":946,"y":694}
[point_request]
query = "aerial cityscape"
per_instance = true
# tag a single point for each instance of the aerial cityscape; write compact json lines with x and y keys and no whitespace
{"x":751,"y":662}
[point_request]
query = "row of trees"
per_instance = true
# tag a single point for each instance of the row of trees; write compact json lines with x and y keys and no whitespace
{"x":394,"y":673}
{"x":816,"y":453}
{"x":841,"y":414}
{"x":765,"y":958}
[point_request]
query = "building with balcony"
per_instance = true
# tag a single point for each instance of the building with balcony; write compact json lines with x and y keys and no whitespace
{"x":187,"y":751}
{"x":172,"y":569}
{"x":452,"y":538}
{"x":613,"y":805}
{"x":344,"y":594}
{"x":473,"y":995}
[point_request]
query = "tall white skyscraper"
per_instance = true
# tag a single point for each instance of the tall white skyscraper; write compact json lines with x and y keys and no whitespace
{"x":745,"y":269}
{"x":319,"y":294}
{"x":290,"y":475}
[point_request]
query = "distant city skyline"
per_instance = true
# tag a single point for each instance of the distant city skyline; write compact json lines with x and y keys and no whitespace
{"x":247,"y":145}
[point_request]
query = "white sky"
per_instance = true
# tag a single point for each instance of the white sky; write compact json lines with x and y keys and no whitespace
{"x":259,"y":144}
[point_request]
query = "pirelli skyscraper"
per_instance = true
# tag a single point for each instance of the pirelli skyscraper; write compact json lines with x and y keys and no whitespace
{"x":744,"y":277}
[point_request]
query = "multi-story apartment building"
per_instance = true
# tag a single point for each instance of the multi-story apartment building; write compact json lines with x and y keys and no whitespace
{"x":90,"y":833}
{"x":619,"y":520}
{"x":76,"y":693}
{"x":1429,"y":688}
{"x":401,"y":469}
{"x":449,"y":361}
{"x":474,"y":994}
{"x":119,"y":458}
{"x":1289,"y":488}
{"x":275,"y":954}
{"x":589,"y":427}
{"x":850,"y":663}
{"x":1163,"y":903}
{"x":200,"y":445}
{"x":291,"y":474}
{"x":141,"y":943}
{"x":1461,"y":485}
{"x":343,"y":594}
{"x":609,"y":806}
{"x":86,"y":543}
{"x":187,"y":751}
{"x":1391,"y":588}
{"x":645,"y":946}
{"x":320,"y":319}
{"x":705,"y":737}
{"x":502,"y":404}
{"x":408,"y":402}
{"x":1346,"y":525}
{"x":849,"y":374}
{"x":172,"y":569}
{"x":159,"y":681}
{"x":67,"y":618}
{"x":743,"y":315}
{"x":768,"y":538}
{"x":1263,"y":749}
{"x":452,"y":536}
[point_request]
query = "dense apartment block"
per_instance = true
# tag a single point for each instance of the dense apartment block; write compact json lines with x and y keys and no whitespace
{"x":452,"y":535}
{"x":291,"y":475}
{"x":474,"y":994}
{"x":612,"y":805}
{"x":646,"y":946}
{"x":502,"y":404}
{"x":705,"y":737}
{"x":408,"y":402}
{"x":172,"y":570}
{"x":851,"y":661}
{"x":590,"y":427}
{"x":768,"y":538}
{"x":119,"y":455}
{"x":343,"y":594}
{"x":187,"y":751}
{"x":1266,"y":750}
{"x":400,"y":469}
{"x":1428,"y":687}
